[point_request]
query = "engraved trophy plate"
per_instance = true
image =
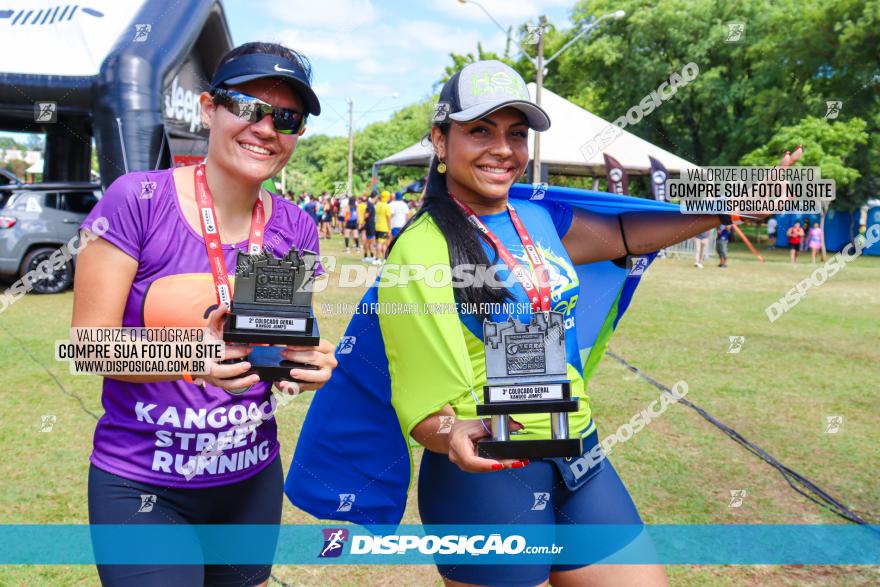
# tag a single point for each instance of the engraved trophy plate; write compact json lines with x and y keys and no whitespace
{"x":272,"y":305}
{"x":526,"y":374}
{"x":270,"y":323}
{"x":518,"y":393}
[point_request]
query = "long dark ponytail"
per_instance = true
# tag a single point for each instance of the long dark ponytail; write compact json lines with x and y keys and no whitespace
{"x":462,"y":238}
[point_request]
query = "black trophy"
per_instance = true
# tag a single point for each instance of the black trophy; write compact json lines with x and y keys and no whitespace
{"x":526,"y":374}
{"x":272,"y":305}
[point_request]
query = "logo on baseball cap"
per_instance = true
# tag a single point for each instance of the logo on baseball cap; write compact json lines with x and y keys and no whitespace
{"x":481,"y":88}
{"x":259,"y":65}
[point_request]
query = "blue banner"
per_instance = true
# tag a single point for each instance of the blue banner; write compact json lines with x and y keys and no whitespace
{"x":416,"y":544}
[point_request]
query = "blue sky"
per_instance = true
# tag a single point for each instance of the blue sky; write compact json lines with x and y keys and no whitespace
{"x":371,"y":49}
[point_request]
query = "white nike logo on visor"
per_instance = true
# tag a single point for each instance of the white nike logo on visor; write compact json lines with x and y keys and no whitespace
{"x":277,"y":68}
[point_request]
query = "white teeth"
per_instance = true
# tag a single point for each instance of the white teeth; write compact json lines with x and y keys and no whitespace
{"x":255,"y":149}
{"x":496,"y":170}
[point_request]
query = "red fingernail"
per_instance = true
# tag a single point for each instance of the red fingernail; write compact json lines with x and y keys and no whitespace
{"x":799,"y":147}
{"x":497,"y":467}
{"x":526,"y":461}
{"x":518,"y":465}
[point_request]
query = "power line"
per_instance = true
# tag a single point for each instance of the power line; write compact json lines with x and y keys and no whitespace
{"x":798,"y":482}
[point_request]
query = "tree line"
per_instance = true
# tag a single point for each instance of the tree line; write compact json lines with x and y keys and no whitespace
{"x":797,"y":73}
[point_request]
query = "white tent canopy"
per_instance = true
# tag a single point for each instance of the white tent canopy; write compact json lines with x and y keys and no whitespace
{"x":561,"y":145}
{"x":417,"y":155}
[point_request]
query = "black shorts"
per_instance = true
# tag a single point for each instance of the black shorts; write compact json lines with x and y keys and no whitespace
{"x":116,"y":500}
{"x":381,"y":234}
{"x":446,"y":497}
{"x":351,"y":225}
{"x":370,"y":231}
{"x":794,"y":246}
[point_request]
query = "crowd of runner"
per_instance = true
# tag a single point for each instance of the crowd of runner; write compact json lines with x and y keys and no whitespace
{"x":367,"y":223}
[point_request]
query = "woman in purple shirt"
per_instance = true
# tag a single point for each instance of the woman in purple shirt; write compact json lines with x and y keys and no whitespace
{"x":151,"y":268}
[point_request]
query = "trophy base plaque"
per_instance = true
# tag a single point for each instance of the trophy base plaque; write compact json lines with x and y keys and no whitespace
{"x":530,"y":449}
{"x":504,"y":399}
{"x":268,"y":363}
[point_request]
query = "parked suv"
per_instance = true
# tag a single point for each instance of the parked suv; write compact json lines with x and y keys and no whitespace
{"x":37,"y":219}
{"x":7,"y":178}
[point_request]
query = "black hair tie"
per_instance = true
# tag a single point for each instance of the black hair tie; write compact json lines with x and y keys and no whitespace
{"x":623,"y":235}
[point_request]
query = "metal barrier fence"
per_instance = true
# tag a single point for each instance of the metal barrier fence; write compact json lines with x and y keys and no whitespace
{"x":688,"y":248}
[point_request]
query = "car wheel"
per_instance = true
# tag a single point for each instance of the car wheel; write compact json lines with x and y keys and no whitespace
{"x":56,"y":281}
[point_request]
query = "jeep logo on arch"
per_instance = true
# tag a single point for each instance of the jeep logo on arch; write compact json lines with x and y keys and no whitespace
{"x":182,"y":105}
{"x":181,"y":109}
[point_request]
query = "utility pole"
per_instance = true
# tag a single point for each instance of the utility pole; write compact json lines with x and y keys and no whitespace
{"x":540,"y":64}
{"x":350,"y":144}
{"x":539,"y":83}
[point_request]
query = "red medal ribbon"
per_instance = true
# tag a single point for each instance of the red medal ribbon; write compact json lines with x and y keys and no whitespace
{"x":538,"y":296}
{"x":211,"y":234}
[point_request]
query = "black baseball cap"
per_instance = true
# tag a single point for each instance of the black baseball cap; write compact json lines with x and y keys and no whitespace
{"x":259,"y":65}
{"x":481,"y":88}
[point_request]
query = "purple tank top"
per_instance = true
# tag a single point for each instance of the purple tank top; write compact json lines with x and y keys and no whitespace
{"x":150,"y":431}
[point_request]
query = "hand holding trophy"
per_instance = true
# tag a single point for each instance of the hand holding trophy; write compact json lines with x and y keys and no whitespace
{"x":272,"y":305}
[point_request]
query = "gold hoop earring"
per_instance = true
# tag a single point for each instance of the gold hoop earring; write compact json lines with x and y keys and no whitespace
{"x":441,"y":167}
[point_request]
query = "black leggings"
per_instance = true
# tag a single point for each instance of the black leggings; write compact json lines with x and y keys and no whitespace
{"x":448,"y":495}
{"x":116,"y":500}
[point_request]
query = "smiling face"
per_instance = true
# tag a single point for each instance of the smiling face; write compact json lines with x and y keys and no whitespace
{"x":254,"y":152}
{"x":485,"y":157}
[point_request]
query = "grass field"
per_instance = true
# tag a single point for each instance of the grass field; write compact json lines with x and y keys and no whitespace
{"x":822,"y":358}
